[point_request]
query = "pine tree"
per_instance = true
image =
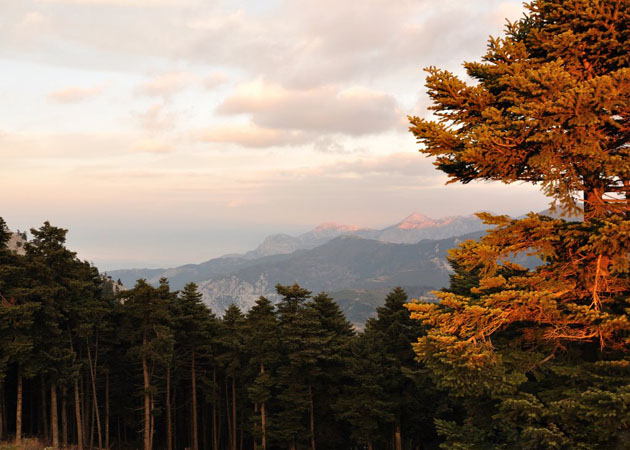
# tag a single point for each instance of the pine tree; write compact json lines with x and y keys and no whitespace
{"x":301,"y":349}
{"x":54,"y":271}
{"x":262,"y":342}
{"x":364,"y":403}
{"x":231,"y":340}
{"x":543,"y":350}
{"x":149,"y":336}
{"x":193,"y":343}
{"x":396,"y":330}
{"x":16,"y":325}
{"x":334,"y":334}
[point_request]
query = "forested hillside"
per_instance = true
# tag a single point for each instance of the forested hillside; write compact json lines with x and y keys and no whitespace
{"x":155,"y":368}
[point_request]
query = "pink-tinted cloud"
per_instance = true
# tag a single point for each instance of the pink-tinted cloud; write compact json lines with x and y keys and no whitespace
{"x":157,"y":118}
{"x":166,"y":84}
{"x":214,"y":80}
{"x":151,"y":146}
{"x":75,"y":94}
{"x":251,"y":135}
{"x":139,"y":3}
{"x":328,"y":109}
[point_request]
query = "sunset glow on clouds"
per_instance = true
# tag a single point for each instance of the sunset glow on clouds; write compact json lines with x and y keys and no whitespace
{"x":170,"y":131}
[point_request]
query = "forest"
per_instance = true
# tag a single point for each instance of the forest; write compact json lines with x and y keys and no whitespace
{"x":153,"y":368}
{"x":510,"y":357}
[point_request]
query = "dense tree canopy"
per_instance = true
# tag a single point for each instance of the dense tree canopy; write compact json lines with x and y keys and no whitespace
{"x":152,"y":368}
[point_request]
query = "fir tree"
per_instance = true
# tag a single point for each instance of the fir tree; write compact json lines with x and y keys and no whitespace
{"x":364,"y":402}
{"x":396,"y":330}
{"x":193,"y":343}
{"x":334,"y":334}
{"x":231,"y":340}
{"x":263,"y":348}
{"x":149,"y":336}
{"x":543,"y":350}
{"x":301,"y":349}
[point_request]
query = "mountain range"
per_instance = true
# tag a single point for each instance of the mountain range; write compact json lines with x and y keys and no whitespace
{"x":410,"y":230}
{"x":356,"y":266}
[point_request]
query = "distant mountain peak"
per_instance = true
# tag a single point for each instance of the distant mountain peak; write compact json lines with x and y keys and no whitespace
{"x":416,"y":221}
{"x":332,"y":226}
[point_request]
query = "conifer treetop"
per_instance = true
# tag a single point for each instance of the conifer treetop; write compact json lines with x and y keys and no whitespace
{"x":551,"y":105}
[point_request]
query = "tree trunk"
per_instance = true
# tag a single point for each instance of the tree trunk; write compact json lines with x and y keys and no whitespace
{"x":18,"y":409}
{"x":397,"y":436}
{"x":147,"y":401}
{"x":229,"y":416}
{"x":369,"y":444}
{"x":193,"y":381}
{"x":215,"y":436}
{"x":263,"y":419}
{"x":234,"y":412}
{"x":97,"y":414}
{"x":169,"y":426}
{"x":77,"y":413}
{"x":1,"y":410}
{"x":64,"y":417}
{"x":84,"y":410}
{"x":175,"y":422}
{"x":107,"y":409}
{"x":204,"y":427}
{"x":594,"y":204}
{"x":310,"y":399}
{"x":44,"y":407}
{"x":54,"y":420}
{"x":152,"y":428}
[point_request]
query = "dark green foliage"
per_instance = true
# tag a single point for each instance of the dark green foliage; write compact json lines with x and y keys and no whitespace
{"x":151,"y":360}
{"x":365,"y":403}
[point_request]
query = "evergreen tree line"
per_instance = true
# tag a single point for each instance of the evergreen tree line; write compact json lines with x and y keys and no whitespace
{"x":153,"y":368}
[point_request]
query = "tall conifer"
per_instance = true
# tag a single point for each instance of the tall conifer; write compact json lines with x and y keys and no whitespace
{"x":544,"y":350}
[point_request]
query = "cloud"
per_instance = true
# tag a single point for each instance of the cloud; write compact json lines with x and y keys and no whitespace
{"x":251,"y":135}
{"x":32,"y":18}
{"x":395,"y":164}
{"x":166,"y":84}
{"x":138,"y":3}
{"x":214,"y":80}
{"x":75,"y":94}
{"x":58,"y":148}
{"x":156,"y":118}
{"x":353,"y":111}
{"x":151,"y":146}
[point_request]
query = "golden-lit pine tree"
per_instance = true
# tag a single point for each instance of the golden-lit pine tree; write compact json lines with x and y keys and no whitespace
{"x":542,"y":352}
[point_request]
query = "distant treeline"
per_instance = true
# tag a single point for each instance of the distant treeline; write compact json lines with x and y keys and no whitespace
{"x":152,"y":368}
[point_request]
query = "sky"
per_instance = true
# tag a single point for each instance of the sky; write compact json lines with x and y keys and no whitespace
{"x":165,"y":132}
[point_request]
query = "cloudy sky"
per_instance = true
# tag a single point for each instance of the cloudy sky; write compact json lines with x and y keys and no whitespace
{"x":163,"y":132}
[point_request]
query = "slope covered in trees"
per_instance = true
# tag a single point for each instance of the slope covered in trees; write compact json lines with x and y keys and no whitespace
{"x":155,"y":368}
